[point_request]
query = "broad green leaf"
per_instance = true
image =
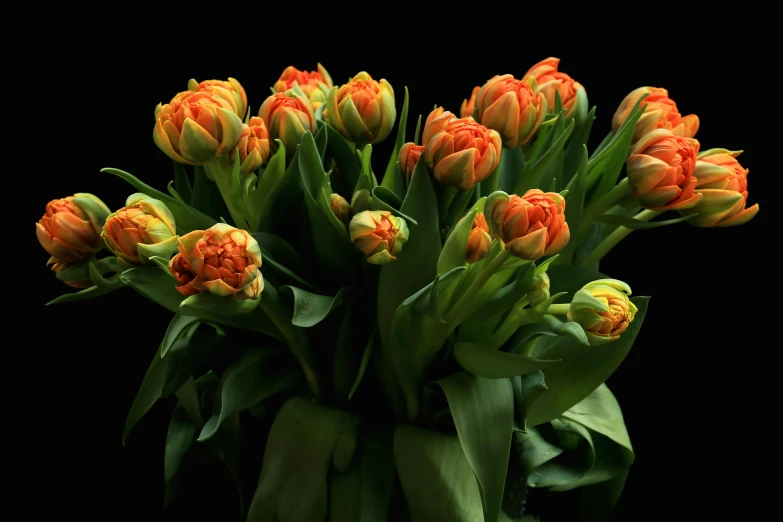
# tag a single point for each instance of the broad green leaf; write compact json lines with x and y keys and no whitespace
{"x":148,"y":394}
{"x":435,"y":475}
{"x":486,"y":362}
{"x":266,"y":186}
{"x":598,"y":500}
{"x":601,"y":412}
{"x":310,"y":309}
{"x":187,"y":353}
{"x":155,"y":285}
{"x":483,"y":411}
{"x":391,"y":178}
{"x":284,"y":259}
{"x":384,"y":199}
{"x":582,"y":369}
{"x":549,"y":325}
{"x":363,"y":364}
{"x":275,"y":214}
{"x":206,"y":197}
{"x":455,"y":248}
{"x":294,"y":474}
{"x":344,"y":157}
{"x":178,"y":324}
{"x":179,"y":439}
{"x":536,"y":450}
{"x":183,"y":217}
{"x":527,"y":389}
{"x":638,"y":224}
{"x":249,"y":380}
{"x":182,"y":182}
{"x":508,"y":172}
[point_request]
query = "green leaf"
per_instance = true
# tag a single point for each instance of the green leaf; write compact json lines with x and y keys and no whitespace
{"x":293,"y":481}
{"x":284,"y":260}
{"x":574,"y":147}
{"x":345,"y":366}
{"x":179,"y":323}
{"x":267,"y":185}
{"x":148,"y":394}
{"x":507,"y":174}
{"x":249,"y":380}
{"x":554,"y":171}
{"x":82,"y":295}
{"x":310,"y":309}
{"x":275,"y":213}
{"x":601,"y":412}
{"x":483,"y":411}
{"x":155,"y":285}
{"x":637,"y":224}
{"x":223,"y":309}
{"x":184,"y":217}
{"x":187,"y":353}
{"x":344,"y":157}
{"x":384,"y":199}
{"x":206,"y":197}
{"x":598,"y":500}
{"x":320,"y":138}
{"x":179,"y":439}
{"x":435,"y":475}
{"x":534,"y":171}
{"x":182,"y":182}
{"x":392,"y":181}
{"x":363,"y":364}
{"x":455,"y":248}
{"x":486,"y":362}
{"x":527,"y":389}
{"x":575,"y":204}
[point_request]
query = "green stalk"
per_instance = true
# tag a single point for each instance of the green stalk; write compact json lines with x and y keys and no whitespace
{"x":457,"y":314}
{"x":223,"y":181}
{"x":558,"y":309}
{"x":615,"y":237}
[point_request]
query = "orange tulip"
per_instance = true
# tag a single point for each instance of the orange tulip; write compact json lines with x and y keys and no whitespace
{"x":378,"y":235}
{"x":341,"y":208}
{"x":723,"y":185}
{"x":362,"y":110}
{"x":602,"y":308}
{"x":315,"y":85}
{"x":70,"y":229}
{"x":466,"y":109}
{"x":409,"y":156}
{"x":512,"y":108}
{"x":479,"y":240}
{"x":551,"y":81}
{"x":253,"y":146}
{"x":661,"y":113}
{"x":197,"y":127}
{"x":660,"y":171}
{"x":143,"y":228}
{"x":230,"y":90}
{"x":463,"y":152}
{"x":222,"y":260}
{"x":287,"y":118}
{"x":531,"y":226}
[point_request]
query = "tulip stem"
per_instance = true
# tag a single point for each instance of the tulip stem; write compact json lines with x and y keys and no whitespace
{"x":558,"y":309}
{"x":231,"y":195}
{"x":460,"y":309}
{"x":615,"y":237}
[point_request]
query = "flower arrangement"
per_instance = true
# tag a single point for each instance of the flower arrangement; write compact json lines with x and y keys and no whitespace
{"x":429,"y":342}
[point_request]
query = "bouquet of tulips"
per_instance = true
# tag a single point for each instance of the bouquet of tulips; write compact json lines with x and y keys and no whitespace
{"x":428,"y":338}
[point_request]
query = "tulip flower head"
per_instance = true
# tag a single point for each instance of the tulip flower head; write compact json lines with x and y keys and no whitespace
{"x":362,"y":110}
{"x":512,"y":108}
{"x":469,"y":104}
{"x":143,"y":228}
{"x":661,"y":113}
{"x":379,"y":235}
{"x":531,"y":226}
{"x":315,"y":85}
{"x":221,"y":260}
{"x":230,"y":90}
{"x":70,"y":229}
{"x":253,"y":146}
{"x":723,"y":185}
{"x":479,"y":240}
{"x":341,"y":208}
{"x":287,"y":118}
{"x":460,"y":151}
{"x":409,"y":157}
{"x":196,"y":127}
{"x":603,"y":309}
{"x":550,"y":81}
{"x":660,"y":171}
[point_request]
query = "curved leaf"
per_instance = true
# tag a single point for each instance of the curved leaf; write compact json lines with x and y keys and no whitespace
{"x":182,"y":182}
{"x":455,"y":248}
{"x":180,"y":437}
{"x":494,"y":364}
{"x":187,"y":353}
{"x":638,"y":224}
{"x":391,"y":179}
{"x":179,"y":323}
{"x":384,"y":199}
{"x":148,"y":394}
{"x":363,"y":364}
{"x":155,"y":285}
{"x":227,"y":310}
{"x":527,"y":388}
{"x":284,"y":259}
{"x":344,"y":157}
{"x":82,"y":295}
{"x":310,"y":309}
{"x":483,"y":411}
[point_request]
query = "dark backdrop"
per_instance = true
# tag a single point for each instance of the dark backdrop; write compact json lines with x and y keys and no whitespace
{"x":675,"y":387}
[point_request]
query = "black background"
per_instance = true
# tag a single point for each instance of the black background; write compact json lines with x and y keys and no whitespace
{"x":675,"y":387}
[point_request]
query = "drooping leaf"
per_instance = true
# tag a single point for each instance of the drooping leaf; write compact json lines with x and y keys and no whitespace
{"x":638,"y":224}
{"x":483,"y":411}
{"x":310,"y":309}
{"x":294,"y":474}
{"x":179,"y":323}
{"x":489,"y":363}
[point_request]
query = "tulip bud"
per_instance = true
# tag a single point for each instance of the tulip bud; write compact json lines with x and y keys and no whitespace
{"x":70,"y":230}
{"x":479,"y":240}
{"x":143,"y":228}
{"x":661,"y":113}
{"x":603,"y":309}
{"x":360,"y":201}
{"x":197,"y":127}
{"x":253,"y":146}
{"x":660,"y":171}
{"x":314,"y":85}
{"x":221,"y":260}
{"x":463,"y":153}
{"x":230,"y":90}
{"x":409,"y":156}
{"x":539,"y":292}
{"x":512,"y":108}
{"x":287,"y":118}
{"x":341,"y":208}
{"x":723,"y":185}
{"x":550,"y":81}
{"x":466,"y":109}
{"x":531,"y":226}
{"x":379,"y":235}
{"x":61,"y":268}
{"x":362,"y":110}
